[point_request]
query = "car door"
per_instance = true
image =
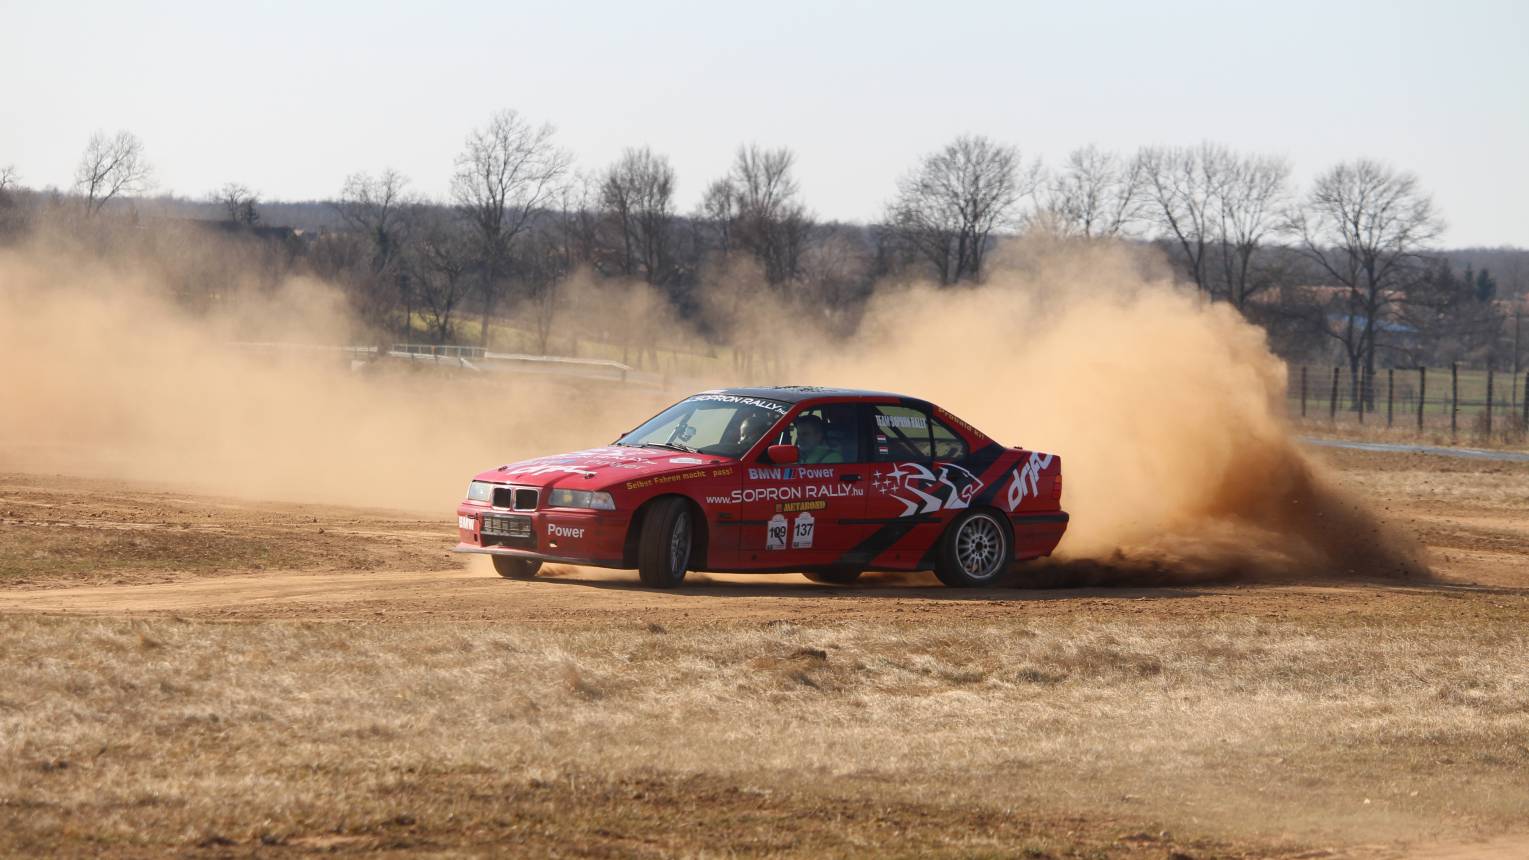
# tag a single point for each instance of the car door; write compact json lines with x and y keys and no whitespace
{"x":807,"y":513}
{"x":917,"y":483}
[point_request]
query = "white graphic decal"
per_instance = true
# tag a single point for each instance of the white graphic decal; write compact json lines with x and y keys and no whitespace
{"x":577,"y":463}
{"x":771,"y":405}
{"x":801,"y":532}
{"x":465,"y":522}
{"x":548,"y":469}
{"x":787,"y":493}
{"x":686,"y":461}
{"x":556,"y":530}
{"x":1024,"y":479}
{"x":775,"y":532}
{"x":789,"y":473}
{"x":905,"y":422}
{"x":922,"y":491}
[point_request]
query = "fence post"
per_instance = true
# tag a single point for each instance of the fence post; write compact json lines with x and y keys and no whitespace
{"x":1526,"y":400}
{"x":1364,"y":383}
{"x":1454,"y":400}
{"x":1332,"y":402}
{"x":1390,"y":395}
{"x":1489,"y":403}
{"x":1422,"y":394}
{"x":1303,"y":390}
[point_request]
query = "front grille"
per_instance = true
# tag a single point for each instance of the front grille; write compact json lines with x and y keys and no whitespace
{"x":507,"y":530}
{"x":516,"y":498}
{"x":508,"y":526}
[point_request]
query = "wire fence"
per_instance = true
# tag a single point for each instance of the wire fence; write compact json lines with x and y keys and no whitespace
{"x":1464,"y":403}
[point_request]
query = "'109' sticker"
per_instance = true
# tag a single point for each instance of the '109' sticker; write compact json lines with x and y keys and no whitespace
{"x":798,"y":532}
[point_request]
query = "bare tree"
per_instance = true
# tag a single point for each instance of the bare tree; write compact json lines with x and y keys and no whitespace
{"x":374,"y":207}
{"x":238,"y":204}
{"x":557,"y":244}
{"x":1249,"y":206}
{"x":111,"y":166}
{"x":1095,"y":194}
{"x":761,"y":210}
{"x":443,"y":259}
{"x":950,"y":205}
{"x":377,"y":208}
{"x":1365,"y":226}
{"x":1184,"y":187}
{"x":836,"y":273}
{"x":637,"y":193}
{"x":575,"y":222}
{"x":8,"y":180}
{"x":507,"y":171}
{"x":543,"y":270}
{"x":719,"y":208}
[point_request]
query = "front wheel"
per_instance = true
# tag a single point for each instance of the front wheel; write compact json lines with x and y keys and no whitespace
{"x":974,"y":550}
{"x":663,"y":550}
{"x":510,"y":567}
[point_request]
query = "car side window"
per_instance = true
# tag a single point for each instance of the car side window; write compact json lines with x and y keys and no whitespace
{"x":948,"y":444}
{"x":900,"y":433}
{"x":825,"y":434}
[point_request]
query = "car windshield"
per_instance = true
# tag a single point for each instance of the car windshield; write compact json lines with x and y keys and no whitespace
{"x":725,"y":424}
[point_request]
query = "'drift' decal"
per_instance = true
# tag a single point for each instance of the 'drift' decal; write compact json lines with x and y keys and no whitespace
{"x":1024,"y":480}
{"x":922,"y":491}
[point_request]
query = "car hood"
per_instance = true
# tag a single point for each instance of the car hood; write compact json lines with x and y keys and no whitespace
{"x":598,"y":467}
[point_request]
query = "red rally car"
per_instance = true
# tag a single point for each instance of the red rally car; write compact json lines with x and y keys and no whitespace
{"x":826,"y":482}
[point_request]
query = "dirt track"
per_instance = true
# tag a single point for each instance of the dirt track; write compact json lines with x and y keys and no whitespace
{"x":73,"y":546}
{"x":137,"y":571}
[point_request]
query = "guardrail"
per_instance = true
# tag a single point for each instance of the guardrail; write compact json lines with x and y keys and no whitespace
{"x":475,"y":359}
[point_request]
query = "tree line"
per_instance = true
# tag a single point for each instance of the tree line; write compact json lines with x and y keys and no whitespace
{"x":1346,"y":267}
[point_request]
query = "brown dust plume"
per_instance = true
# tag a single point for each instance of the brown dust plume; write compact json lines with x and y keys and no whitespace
{"x":1168,"y":412}
{"x":1166,"y":409}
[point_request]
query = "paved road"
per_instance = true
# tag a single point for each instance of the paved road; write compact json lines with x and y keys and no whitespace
{"x":1463,"y":453}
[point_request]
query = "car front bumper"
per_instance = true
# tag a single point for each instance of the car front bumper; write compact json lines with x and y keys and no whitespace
{"x":566,"y":535}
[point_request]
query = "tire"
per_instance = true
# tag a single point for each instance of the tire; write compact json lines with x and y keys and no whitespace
{"x":975,"y":550}
{"x":663,"y":549}
{"x":836,"y":576}
{"x":510,"y":567}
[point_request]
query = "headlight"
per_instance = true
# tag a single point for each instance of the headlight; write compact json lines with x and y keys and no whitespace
{"x":581,"y":499}
{"x":480,"y":491}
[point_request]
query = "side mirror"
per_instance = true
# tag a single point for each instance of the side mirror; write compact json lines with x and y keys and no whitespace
{"x":783,"y":454}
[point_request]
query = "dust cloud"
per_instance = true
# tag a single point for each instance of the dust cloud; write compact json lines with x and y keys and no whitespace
{"x":107,"y":376}
{"x":1167,"y":410}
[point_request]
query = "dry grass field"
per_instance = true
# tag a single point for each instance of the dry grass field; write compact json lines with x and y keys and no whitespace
{"x":216,"y":677}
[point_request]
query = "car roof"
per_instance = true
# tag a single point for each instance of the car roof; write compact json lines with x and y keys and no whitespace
{"x":798,"y":393}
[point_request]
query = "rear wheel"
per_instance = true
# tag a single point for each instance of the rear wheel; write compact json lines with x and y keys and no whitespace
{"x":835,"y":576}
{"x":974,"y":550}
{"x":663,"y":550}
{"x":510,"y":567}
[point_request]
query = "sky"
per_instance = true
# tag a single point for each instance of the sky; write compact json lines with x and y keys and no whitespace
{"x":290,"y":98}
